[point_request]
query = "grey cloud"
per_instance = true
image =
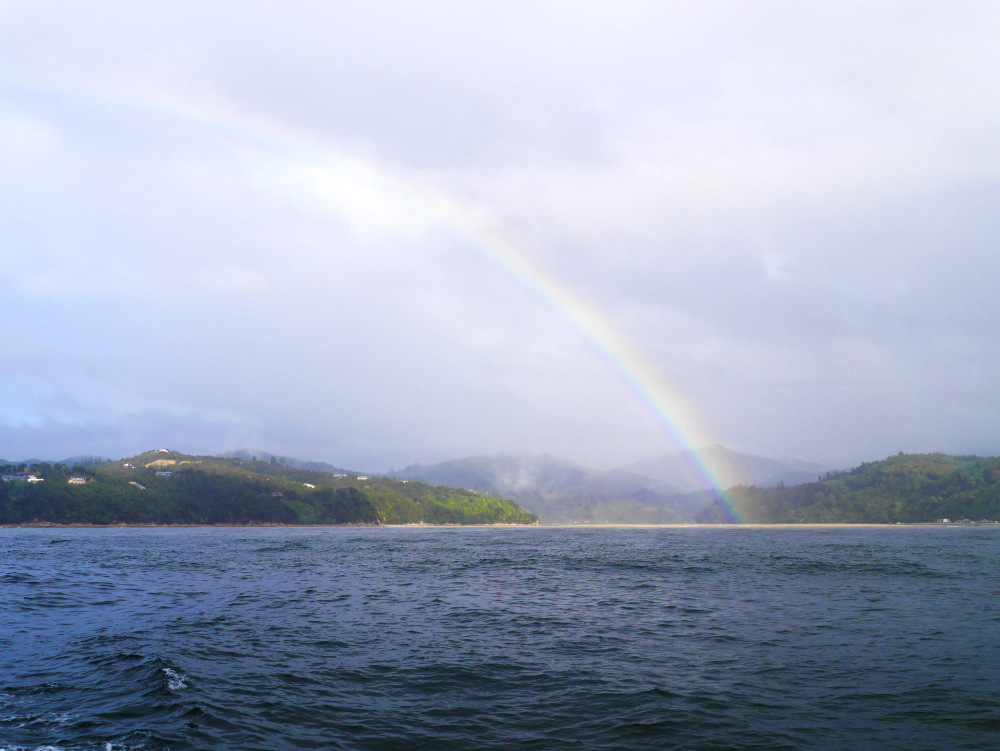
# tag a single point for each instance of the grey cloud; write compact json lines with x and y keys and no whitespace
{"x":310,"y":230}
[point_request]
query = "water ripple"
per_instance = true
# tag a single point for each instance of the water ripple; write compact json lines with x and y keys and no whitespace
{"x":498,"y":638}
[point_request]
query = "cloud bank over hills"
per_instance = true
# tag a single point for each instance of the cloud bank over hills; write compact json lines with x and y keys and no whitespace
{"x":405,"y":232}
{"x":666,"y":489}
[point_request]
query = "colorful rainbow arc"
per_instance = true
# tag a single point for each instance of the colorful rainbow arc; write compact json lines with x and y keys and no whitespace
{"x":667,"y":409}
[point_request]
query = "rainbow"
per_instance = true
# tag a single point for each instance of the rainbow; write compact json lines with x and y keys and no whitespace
{"x":349,"y":175}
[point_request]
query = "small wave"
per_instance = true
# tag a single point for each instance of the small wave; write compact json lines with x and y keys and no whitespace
{"x":48,"y":687}
{"x":155,"y":673}
{"x":106,"y":746}
{"x":175,"y":681}
{"x":37,"y":721}
{"x":857,"y":567}
{"x":286,"y":546}
{"x":115,"y":659}
{"x":15,"y":577}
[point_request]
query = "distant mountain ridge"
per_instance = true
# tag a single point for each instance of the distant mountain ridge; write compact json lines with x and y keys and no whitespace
{"x":68,"y":462}
{"x":264,"y":456}
{"x":558,"y":491}
{"x":663,"y":489}
{"x":516,"y":472}
{"x":679,"y":470}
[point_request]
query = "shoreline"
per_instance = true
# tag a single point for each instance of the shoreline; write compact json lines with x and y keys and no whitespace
{"x":261,"y":525}
{"x":790,"y":525}
{"x":425,"y":525}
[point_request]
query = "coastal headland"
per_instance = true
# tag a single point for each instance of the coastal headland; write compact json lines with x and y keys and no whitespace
{"x":169,"y":488}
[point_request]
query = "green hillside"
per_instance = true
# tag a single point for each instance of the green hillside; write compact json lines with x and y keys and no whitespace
{"x":165,"y":487}
{"x":904,"y":488}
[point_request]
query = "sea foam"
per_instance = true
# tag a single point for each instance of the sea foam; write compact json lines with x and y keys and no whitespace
{"x":175,"y":681}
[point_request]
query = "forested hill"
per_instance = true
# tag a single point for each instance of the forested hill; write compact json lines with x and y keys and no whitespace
{"x":165,"y":487}
{"x":903,"y":488}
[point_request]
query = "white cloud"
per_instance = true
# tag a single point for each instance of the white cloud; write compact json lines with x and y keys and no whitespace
{"x":24,"y":138}
{"x":318,"y":223}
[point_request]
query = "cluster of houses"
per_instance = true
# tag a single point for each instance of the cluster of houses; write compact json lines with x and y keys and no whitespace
{"x":22,"y":477}
{"x":31,"y":477}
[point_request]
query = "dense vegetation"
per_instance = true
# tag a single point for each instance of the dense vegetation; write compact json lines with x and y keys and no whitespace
{"x":212,"y":490}
{"x":903,"y":488}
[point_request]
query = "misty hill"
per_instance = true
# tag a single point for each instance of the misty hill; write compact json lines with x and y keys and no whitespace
{"x":166,"y":487}
{"x":250,"y":454}
{"x":902,"y":488}
{"x":559,"y":491}
{"x":677,"y":471}
{"x":83,"y":459}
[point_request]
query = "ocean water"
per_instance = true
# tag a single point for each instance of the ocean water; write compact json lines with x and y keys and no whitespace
{"x":500,"y":638}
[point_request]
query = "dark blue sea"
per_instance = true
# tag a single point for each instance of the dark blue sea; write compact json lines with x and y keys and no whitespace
{"x":500,"y":638}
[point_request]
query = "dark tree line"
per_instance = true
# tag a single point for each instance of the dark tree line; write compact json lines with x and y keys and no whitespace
{"x":227,"y":493}
{"x":909,"y":488}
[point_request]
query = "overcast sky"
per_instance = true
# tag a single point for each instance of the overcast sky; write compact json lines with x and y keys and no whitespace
{"x":375,"y":233}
